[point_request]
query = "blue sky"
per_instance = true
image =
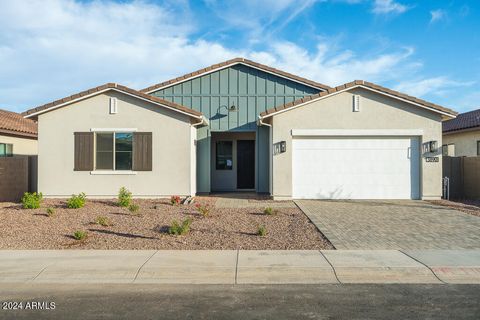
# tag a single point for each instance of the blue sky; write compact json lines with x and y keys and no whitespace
{"x":427,"y":48}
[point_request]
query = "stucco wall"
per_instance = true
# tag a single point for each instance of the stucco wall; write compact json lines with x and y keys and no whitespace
{"x":171,"y":134}
{"x":376,"y":112}
{"x":21,"y":146}
{"x":465,"y":142}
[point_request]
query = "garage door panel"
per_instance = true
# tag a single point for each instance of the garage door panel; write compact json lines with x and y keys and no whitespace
{"x":355,"y":168}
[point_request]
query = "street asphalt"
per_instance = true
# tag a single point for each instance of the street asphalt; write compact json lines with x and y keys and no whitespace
{"x":327,"y":301}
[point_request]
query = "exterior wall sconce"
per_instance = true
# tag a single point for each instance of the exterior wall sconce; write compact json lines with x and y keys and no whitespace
{"x":430,"y":146}
{"x":232,"y":108}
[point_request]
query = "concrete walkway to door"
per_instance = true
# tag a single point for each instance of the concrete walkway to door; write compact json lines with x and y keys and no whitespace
{"x":401,"y":225}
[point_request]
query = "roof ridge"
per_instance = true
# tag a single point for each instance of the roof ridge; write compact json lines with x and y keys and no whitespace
{"x":362,"y":83}
{"x":227,"y":63}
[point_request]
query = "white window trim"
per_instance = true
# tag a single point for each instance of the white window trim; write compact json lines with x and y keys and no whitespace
{"x":113,"y":130}
{"x":113,"y":172}
{"x":356,"y":132}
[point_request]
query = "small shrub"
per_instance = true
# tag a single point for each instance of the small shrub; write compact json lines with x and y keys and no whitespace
{"x":80,"y":235}
{"x":32,"y":200}
{"x":50,"y":212}
{"x":203,"y":209}
{"x":103,"y":221}
{"x":269,"y":211}
{"x":262,"y":231}
{"x":180,"y":229}
{"x":124,"y":197}
{"x":133,"y":208}
{"x":175,"y":200}
{"x":76,"y":201}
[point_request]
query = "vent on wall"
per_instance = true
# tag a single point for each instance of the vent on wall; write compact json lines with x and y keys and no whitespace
{"x":356,"y":103}
{"x":113,"y":105}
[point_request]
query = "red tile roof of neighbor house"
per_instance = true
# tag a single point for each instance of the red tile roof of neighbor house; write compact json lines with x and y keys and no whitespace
{"x":106,"y":87}
{"x":467,"y":120}
{"x":351,"y":85}
{"x":12,"y":123}
{"x":227,"y":63}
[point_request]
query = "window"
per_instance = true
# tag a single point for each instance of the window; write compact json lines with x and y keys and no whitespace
{"x":6,"y":150}
{"x":114,"y":151}
{"x":478,"y":148}
{"x":445,"y":150}
{"x":224,"y":155}
{"x":448,"y":150}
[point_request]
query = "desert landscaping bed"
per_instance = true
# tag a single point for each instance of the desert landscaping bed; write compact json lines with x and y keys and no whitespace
{"x":223,"y":228}
{"x":468,"y":206}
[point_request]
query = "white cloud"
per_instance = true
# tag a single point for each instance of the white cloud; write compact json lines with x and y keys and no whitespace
{"x":439,"y":86}
{"x":52,"y":48}
{"x":388,"y":6}
{"x":437,"y":15}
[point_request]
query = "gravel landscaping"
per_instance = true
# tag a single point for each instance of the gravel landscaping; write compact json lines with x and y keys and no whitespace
{"x":468,"y":206}
{"x":223,"y":228}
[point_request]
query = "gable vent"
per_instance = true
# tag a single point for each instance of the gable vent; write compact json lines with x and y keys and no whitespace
{"x":356,"y":103}
{"x":113,"y":105}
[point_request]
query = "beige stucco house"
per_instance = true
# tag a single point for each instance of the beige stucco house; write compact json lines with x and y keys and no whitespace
{"x":242,"y":126}
{"x":461,"y":136}
{"x":18,"y":136}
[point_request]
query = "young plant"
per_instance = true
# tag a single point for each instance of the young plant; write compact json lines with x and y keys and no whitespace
{"x":269,"y":211}
{"x":133,"y":208}
{"x":32,"y":200}
{"x":80,"y":235}
{"x":180,"y":229}
{"x":76,"y":201}
{"x":124,"y":197}
{"x":262,"y":231}
{"x":103,"y":221}
{"x":203,"y":209}
{"x":175,"y":200}
{"x":50,"y":212}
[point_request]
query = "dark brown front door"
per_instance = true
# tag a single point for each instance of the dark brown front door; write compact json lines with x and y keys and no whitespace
{"x":245,"y":164}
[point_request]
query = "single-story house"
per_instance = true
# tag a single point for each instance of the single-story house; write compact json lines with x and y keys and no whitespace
{"x":461,"y":136}
{"x":242,"y":126}
{"x":18,"y":136}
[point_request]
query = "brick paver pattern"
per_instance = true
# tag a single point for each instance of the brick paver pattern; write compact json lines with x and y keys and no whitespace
{"x":400,"y":225}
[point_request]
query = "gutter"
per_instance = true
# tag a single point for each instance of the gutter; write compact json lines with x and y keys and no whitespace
{"x":203,"y":121}
{"x":261,"y":123}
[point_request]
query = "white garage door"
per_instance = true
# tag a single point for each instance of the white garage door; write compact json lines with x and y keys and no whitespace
{"x":356,"y":168}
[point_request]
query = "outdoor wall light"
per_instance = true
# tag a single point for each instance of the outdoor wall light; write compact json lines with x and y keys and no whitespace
{"x":232,"y":108}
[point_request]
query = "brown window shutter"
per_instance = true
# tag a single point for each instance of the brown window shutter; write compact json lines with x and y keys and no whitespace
{"x":83,"y":151}
{"x":142,"y":151}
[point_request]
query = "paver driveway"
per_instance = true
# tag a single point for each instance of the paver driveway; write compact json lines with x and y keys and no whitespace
{"x":392,"y":224}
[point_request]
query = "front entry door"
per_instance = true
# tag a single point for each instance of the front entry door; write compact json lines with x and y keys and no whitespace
{"x":245,"y":164}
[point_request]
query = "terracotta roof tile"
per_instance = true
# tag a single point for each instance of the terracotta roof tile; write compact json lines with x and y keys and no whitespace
{"x":364,"y":84}
{"x":116,"y":87}
{"x":13,"y":123}
{"x":311,"y":83}
{"x":467,"y":120}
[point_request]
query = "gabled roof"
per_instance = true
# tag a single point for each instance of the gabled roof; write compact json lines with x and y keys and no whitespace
{"x":230,"y":63}
{"x":463,"y":121}
{"x":12,"y":123}
{"x":107,"y":87}
{"x":363,"y":84}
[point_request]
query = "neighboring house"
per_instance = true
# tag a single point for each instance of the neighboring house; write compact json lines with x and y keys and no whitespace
{"x":461,"y":136}
{"x":242,"y":126}
{"x":18,"y":136}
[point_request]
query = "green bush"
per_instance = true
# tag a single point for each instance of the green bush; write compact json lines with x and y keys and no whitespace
{"x":262,"y":231}
{"x":103,"y":221}
{"x":50,"y":212}
{"x":124,"y":197}
{"x":269,"y":211}
{"x":133,"y":208}
{"x":203,"y":209}
{"x":180,"y":229}
{"x":32,"y":200}
{"x":80,"y":235}
{"x":76,"y":201}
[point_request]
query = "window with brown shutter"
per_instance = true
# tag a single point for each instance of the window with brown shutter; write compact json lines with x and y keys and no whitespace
{"x":142,"y":151}
{"x":83,"y":151}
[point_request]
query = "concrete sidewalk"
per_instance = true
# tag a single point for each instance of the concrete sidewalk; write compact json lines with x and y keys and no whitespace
{"x":240,"y":266}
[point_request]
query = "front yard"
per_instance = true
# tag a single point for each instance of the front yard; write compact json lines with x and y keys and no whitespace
{"x":148,"y":228}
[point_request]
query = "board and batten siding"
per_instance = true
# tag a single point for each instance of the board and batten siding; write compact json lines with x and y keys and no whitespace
{"x":251,"y":91}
